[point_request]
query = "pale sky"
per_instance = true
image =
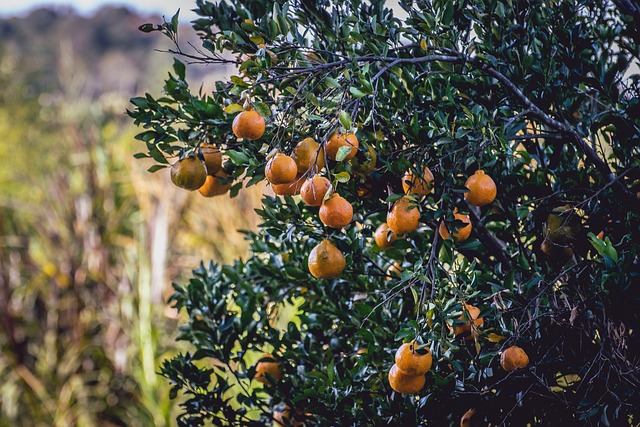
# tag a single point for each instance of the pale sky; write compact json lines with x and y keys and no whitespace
{"x":162,"y":7}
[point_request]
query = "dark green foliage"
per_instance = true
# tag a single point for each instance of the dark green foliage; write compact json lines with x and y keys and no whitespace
{"x":540,"y":95}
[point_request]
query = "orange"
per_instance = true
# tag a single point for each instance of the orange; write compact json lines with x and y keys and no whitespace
{"x":394,"y":270}
{"x":281,"y":169}
{"x":214,"y":185}
{"x":405,"y":384}
{"x":470,"y":313}
{"x":283,"y":418}
{"x":404,"y":216}
{"x":326,"y":261}
{"x":482,"y":189}
{"x":418,"y":185}
{"x":465,"y":421}
{"x":412,"y":363}
{"x":384,"y":237}
{"x":288,"y":189}
{"x":461,"y":234}
{"x":313,"y":190}
{"x":337,"y":140}
{"x":267,"y":370}
{"x":336,"y":212}
{"x":248,"y":125}
{"x":364,"y":162}
{"x":189,"y":173}
{"x":212,"y":158}
{"x":513,"y":358}
{"x":308,"y":154}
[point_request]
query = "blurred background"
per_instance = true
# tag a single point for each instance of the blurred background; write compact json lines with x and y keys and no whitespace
{"x":89,"y":241}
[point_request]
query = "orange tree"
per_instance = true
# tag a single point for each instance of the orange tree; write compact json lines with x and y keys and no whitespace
{"x":516,"y":288}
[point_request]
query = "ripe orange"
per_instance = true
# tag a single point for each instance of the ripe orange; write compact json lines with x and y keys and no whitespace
{"x":326,"y":261}
{"x":418,"y":185}
{"x":337,"y":140}
{"x":288,"y":189}
{"x":248,"y":125}
{"x":482,"y":189}
{"x":470,"y":313}
{"x":308,"y":154}
{"x":465,"y":421}
{"x":394,"y":270}
{"x":212,"y":158}
{"x":189,"y":173}
{"x":404,"y":216}
{"x":410,"y":362}
{"x":513,"y":358}
{"x":384,"y":237}
{"x":313,"y":190}
{"x":281,"y":169}
{"x":364,"y":162}
{"x":405,"y":384}
{"x":283,"y":418}
{"x":461,"y":234}
{"x":336,"y":212}
{"x":267,"y":370}
{"x":213,"y":185}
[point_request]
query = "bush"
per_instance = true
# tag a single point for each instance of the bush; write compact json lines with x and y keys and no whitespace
{"x":543,"y":97}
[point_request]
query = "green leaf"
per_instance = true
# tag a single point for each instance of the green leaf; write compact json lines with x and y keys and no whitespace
{"x":233,"y":108}
{"x":262,"y":109}
{"x":342,"y":176}
{"x":147,"y":28}
{"x":357,"y":93}
{"x":179,"y":68}
{"x":331,"y":82}
{"x":345,"y":119}
{"x":156,"y":168}
{"x":238,"y":158}
{"x":343,"y":152}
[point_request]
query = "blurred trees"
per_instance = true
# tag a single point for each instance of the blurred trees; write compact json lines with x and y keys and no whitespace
{"x":88,"y":242}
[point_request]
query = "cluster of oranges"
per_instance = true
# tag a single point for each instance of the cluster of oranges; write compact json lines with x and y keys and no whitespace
{"x":412,"y":363}
{"x":205,"y":173}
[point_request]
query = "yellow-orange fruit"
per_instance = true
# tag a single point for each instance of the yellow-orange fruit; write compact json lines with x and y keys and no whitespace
{"x":212,"y":158}
{"x":267,"y":370}
{"x":384,"y":237}
{"x":326,"y":261}
{"x":307,"y":154}
{"x":482,"y":189}
{"x":337,"y":140}
{"x":289,"y":189}
{"x":336,"y":212}
{"x":405,"y":384}
{"x":214,"y":185}
{"x":189,"y":173}
{"x":465,"y":421}
{"x":513,"y":358}
{"x":404,"y":216}
{"x":462,"y":233}
{"x":248,"y":125}
{"x":410,"y":362}
{"x":471,"y":315}
{"x":418,"y":184}
{"x":313,"y":190}
{"x":281,"y":169}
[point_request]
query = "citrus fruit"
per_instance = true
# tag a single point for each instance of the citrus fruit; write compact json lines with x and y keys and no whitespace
{"x":289,"y":189}
{"x":405,"y":384}
{"x":384,"y":237}
{"x":313,"y":190}
{"x":465,"y":421}
{"x":337,"y":140}
{"x":326,"y":261}
{"x":412,"y":363}
{"x":281,"y":169}
{"x":394,"y":270}
{"x":212,"y":158}
{"x":248,"y":125}
{"x":421,"y":185}
{"x":308,"y":154}
{"x":404,"y":216}
{"x":189,"y":173}
{"x":215,"y":185}
{"x":482,"y":189}
{"x":470,"y":314}
{"x":513,"y":358}
{"x":364,"y":162}
{"x":336,"y":212}
{"x":461,"y":234}
{"x":267,"y":370}
{"x":283,"y":418}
